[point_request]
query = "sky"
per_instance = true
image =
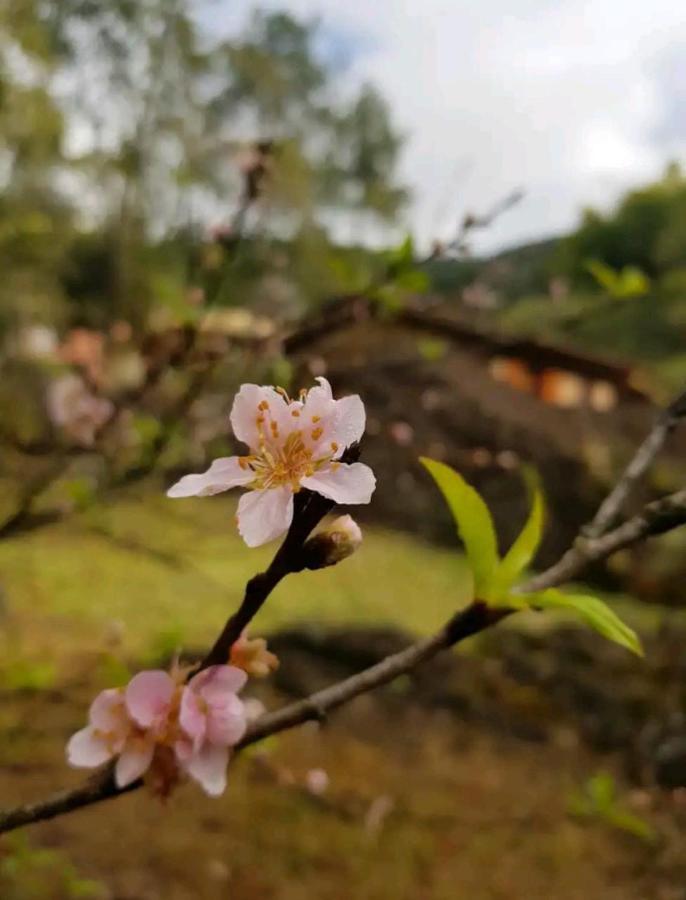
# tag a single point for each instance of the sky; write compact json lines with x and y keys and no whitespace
{"x":574,"y":101}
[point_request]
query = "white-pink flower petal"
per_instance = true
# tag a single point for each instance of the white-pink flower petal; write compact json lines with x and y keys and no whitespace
{"x":225,"y":679}
{"x":87,"y":749}
{"x":343,"y":483}
{"x":246,"y":413}
{"x":148,"y":696}
{"x":192,"y":717}
{"x":208,"y":768}
{"x":264,"y":515}
{"x":349,"y":424}
{"x":226,"y":721}
{"x":134,"y":760}
{"x":107,"y":711}
{"x":222,"y":475}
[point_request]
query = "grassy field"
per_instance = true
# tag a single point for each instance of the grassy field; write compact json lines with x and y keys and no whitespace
{"x":165,"y":573}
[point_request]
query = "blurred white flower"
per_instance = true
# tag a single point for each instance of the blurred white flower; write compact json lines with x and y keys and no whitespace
{"x":254,"y":709}
{"x":72,"y":407}
{"x":37,"y":342}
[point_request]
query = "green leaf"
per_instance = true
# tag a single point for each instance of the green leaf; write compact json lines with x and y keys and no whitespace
{"x":634,"y":282}
{"x":474,"y":523}
{"x":625,"y":283}
{"x":403,"y":255}
{"x":520,"y":554}
{"x":602,"y":791}
{"x":605,"y":275}
{"x":598,"y":799}
{"x":593,"y":611}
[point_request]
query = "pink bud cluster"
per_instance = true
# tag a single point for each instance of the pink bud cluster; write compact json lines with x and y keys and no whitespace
{"x":161,"y":726}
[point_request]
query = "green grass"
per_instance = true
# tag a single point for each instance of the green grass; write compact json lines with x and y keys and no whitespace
{"x":173,"y":570}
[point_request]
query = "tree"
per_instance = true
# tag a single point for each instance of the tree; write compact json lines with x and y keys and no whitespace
{"x":645,"y":230}
{"x":330,"y":156}
{"x":35,"y":216}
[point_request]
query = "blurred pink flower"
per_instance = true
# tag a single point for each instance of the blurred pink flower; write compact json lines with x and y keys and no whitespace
{"x":293,"y":444}
{"x":402,"y":433}
{"x":85,"y":348}
{"x":317,"y":781}
{"x":212,"y":719}
{"x":72,"y":407}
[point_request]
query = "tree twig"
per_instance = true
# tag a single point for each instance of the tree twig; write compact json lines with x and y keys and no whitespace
{"x":310,"y":510}
{"x":641,"y":461}
{"x":656,"y":518}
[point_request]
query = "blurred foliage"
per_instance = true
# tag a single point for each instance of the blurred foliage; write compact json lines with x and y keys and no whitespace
{"x":646,"y":230}
{"x":622,"y":284}
{"x":126,"y":127}
{"x":566,"y":289}
{"x":29,"y":675}
{"x":27,"y":871}
{"x":598,"y":799}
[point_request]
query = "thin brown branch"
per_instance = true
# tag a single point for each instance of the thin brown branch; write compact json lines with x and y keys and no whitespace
{"x":656,"y":518}
{"x":641,"y":461}
{"x":310,"y":510}
{"x":100,"y":787}
{"x":474,"y":618}
{"x":23,"y":517}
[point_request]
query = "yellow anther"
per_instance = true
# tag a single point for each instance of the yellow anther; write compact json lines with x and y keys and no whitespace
{"x":317,"y":433}
{"x":263,"y":405}
{"x":295,"y":413}
{"x":315,"y":419}
{"x":334,"y":446}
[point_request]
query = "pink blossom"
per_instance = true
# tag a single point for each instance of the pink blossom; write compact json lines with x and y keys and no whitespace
{"x":293,"y":444}
{"x":74,"y":408}
{"x":212,"y":719}
{"x":127,"y":724}
{"x":159,"y":724}
{"x":113,"y":731}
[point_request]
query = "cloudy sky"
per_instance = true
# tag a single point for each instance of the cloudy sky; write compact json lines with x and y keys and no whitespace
{"x":573,"y":100}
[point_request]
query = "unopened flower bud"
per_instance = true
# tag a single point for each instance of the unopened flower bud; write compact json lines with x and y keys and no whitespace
{"x":252,"y":655}
{"x":335,"y":543}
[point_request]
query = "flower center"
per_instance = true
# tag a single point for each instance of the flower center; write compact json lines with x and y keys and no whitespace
{"x":283,"y":459}
{"x":287,"y":464}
